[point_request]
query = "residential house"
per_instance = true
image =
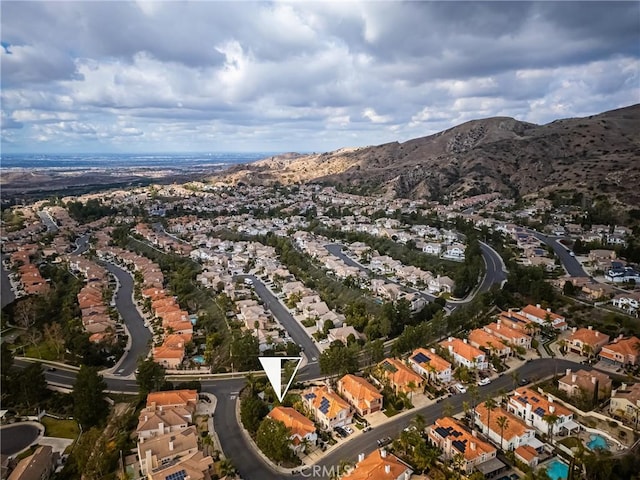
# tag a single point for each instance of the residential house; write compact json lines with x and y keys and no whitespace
{"x":302,"y":429}
{"x":453,"y":439}
{"x":38,"y":466}
{"x":154,"y":421}
{"x":400,"y":377}
{"x":527,"y":455}
{"x":510,"y":335}
{"x":628,"y":301}
{"x":157,"y":451}
{"x":174,"y":398}
{"x":379,"y":465}
{"x":327,"y":407}
{"x":430,"y":365}
{"x":515,"y":434}
{"x":465,"y":354}
{"x":534,"y":408}
{"x":193,"y":466}
{"x":342,"y":334}
{"x":625,"y":403}
{"x":488,"y":342}
{"x":363,"y":397}
{"x":583,"y":382}
{"x":622,"y":351}
{"x":544,"y":317}
{"x":586,"y":341}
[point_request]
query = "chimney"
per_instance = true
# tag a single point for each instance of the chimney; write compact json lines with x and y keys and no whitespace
{"x":590,"y":327}
{"x":573,"y":378}
{"x":537,"y":305}
{"x":567,"y":371}
{"x":464,"y":340}
{"x":498,"y":322}
{"x":573,"y":329}
{"x":593,"y":379}
{"x":161,"y":428}
{"x":550,"y":398}
{"x":474,"y":432}
{"x":473,"y":446}
{"x":383,"y":453}
{"x":387,"y":469}
{"x":597,"y":333}
{"x":146,"y":418}
{"x":450,"y":339}
{"x":451,"y":348}
{"x":552,"y":408}
{"x":171,"y":445}
{"x":548,"y":310}
{"x":433,"y":350}
{"x":360,"y":457}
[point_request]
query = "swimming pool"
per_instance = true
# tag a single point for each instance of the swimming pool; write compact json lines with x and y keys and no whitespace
{"x":198,"y":359}
{"x":557,"y":470}
{"x":597,"y":442}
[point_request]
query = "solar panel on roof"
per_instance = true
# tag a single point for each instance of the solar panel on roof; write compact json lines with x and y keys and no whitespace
{"x":443,"y":432}
{"x":420,"y":358}
{"x":539,"y":411}
{"x":324,"y":405}
{"x":387,"y":366}
{"x":180,"y":475}
{"x":309,"y":396}
{"x":460,"y":446}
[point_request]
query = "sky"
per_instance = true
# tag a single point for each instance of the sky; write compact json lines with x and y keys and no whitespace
{"x":301,"y":76}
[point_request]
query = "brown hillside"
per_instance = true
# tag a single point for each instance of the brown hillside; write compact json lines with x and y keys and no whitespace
{"x":597,"y":154}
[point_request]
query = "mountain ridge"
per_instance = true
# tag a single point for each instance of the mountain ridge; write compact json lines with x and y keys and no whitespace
{"x":599,"y":154}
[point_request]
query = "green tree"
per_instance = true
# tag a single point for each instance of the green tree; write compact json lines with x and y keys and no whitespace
{"x":490,"y":404}
{"x":252,"y":411}
{"x":89,"y":406}
{"x":244,"y":352}
{"x":150,"y":377}
{"x":273,"y":438}
{"x":29,"y":385}
{"x":339,"y":359}
{"x":503,"y":423}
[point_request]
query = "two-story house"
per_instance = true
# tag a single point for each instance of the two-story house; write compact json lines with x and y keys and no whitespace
{"x":454,"y":440}
{"x":430,"y":365}
{"x":586,"y":341}
{"x":327,"y":407}
{"x":489,"y":343}
{"x":379,"y":465}
{"x":622,"y":351}
{"x":538,"y":411}
{"x":625,"y":403}
{"x":400,"y":377}
{"x":465,"y":354}
{"x":585,"y":383}
{"x":302,"y":429}
{"x":363,"y":397}
{"x":515,"y":433}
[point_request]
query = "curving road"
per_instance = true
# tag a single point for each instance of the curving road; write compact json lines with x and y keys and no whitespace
{"x":495,"y":274}
{"x":18,"y":436}
{"x":140,"y":335}
{"x":571,"y":265}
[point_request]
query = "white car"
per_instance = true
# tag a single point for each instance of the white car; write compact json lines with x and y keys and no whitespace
{"x":460,"y":388}
{"x":348,"y":429}
{"x":484,"y":381}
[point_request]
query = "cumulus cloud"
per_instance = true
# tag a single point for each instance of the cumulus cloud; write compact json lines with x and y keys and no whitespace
{"x":302,"y":75}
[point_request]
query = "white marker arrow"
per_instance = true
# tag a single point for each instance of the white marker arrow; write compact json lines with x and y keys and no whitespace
{"x":273,"y":368}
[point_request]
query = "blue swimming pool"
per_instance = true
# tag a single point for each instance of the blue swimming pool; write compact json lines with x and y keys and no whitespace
{"x":557,"y":470}
{"x":597,"y":442}
{"x":198,"y":359}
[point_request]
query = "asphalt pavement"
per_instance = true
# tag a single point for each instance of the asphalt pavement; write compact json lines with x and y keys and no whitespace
{"x":140,"y":335}
{"x":571,"y":265}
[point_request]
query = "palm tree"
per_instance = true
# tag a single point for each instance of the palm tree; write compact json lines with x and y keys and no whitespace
{"x":490,"y":404}
{"x":466,"y":408}
{"x":587,"y":350}
{"x":515,"y":377}
{"x":503,"y":422}
{"x":226,"y":468}
{"x":550,"y":419}
{"x":475,"y":395}
{"x":419,"y":422}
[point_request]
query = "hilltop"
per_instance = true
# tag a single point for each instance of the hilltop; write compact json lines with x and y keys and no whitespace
{"x":595,"y":155}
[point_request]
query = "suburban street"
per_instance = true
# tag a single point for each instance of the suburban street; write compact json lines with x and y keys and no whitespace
{"x":139,"y":334}
{"x":571,"y":265}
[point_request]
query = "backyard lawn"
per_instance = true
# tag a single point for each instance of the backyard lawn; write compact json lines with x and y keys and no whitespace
{"x":60,"y":428}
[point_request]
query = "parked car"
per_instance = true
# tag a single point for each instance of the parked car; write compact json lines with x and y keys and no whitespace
{"x":460,"y":388}
{"x":484,"y":381}
{"x":367,"y":428}
{"x":341,"y":432}
{"x":523,"y":381}
{"x":383,"y":442}
{"x":348,"y":429}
